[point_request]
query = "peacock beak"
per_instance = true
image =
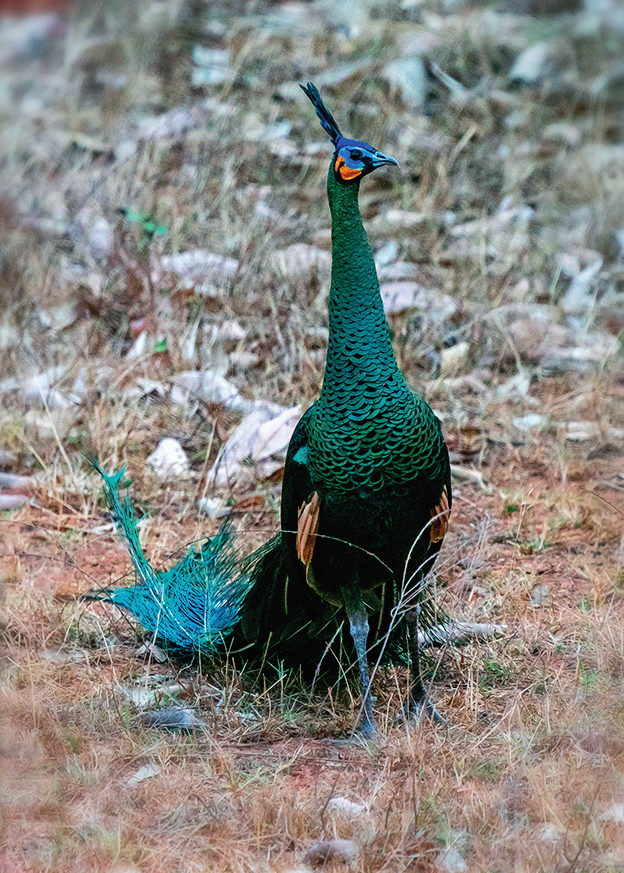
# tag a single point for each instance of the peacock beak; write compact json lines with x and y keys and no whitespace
{"x":380,"y":159}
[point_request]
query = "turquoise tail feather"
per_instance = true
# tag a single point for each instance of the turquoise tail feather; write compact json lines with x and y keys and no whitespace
{"x":194,"y":606}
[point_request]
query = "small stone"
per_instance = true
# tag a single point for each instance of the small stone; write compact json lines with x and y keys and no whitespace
{"x":615,"y":814}
{"x":528,"y":422}
{"x":300,"y":259}
{"x":409,"y":77}
{"x":399,"y":297}
{"x":210,"y":66}
{"x":454,"y":358}
{"x":346,"y":807}
{"x":535,"y":64}
{"x":451,"y":861}
{"x":332,"y":852}
{"x":173,"y":718}
{"x":137,"y":349}
{"x":151,"y":651}
{"x":563,"y":132}
{"x":100,"y":239}
{"x":213,"y":507}
{"x":207,"y":386}
{"x":169,"y":459}
{"x":387,"y":254}
{"x":148,"y":771}
{"x":539,"y":595}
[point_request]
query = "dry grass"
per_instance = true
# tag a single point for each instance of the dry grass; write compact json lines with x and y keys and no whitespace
{"x":528,"y":776}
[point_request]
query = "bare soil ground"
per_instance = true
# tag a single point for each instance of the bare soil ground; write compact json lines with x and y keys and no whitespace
{"x":505,"y":232}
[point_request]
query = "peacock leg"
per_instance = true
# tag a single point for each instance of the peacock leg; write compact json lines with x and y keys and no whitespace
{"x":358,"y":623}
{"x":419,"y":703}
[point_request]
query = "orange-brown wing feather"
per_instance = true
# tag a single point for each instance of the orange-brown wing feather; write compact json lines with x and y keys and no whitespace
{"x":440,"y":519}
{"x":307,"y":528}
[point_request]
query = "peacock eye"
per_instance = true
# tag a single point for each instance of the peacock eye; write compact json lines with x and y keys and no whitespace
{"x":356,"y":154}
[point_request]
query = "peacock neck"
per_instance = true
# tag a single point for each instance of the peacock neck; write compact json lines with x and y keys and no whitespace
{"x":359,"y":353}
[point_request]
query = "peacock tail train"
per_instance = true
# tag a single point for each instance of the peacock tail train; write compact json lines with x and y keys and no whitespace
{"x":192,"y":608}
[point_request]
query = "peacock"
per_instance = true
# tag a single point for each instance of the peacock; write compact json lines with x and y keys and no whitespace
{"x":366,"y":497}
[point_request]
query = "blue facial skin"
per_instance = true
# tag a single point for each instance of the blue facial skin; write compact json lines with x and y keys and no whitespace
{"x":354,"y":159}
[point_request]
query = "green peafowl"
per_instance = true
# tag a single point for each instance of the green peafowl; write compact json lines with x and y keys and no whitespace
{"x":366,"y":494}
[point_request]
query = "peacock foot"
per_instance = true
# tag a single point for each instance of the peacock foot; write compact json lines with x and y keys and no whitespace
{"x":367,"y":732}
{"x":419,"y":709}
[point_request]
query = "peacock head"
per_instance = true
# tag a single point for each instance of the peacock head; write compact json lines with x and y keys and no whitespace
{"x":352,"y":159}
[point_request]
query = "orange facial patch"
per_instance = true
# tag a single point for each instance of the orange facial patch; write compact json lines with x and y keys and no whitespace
{"x":345,"y":172}
{"x":439,"y":519}
{"x":307,"y":528}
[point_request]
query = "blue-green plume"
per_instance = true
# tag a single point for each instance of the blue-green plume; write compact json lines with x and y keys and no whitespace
{"x":192,"y":607}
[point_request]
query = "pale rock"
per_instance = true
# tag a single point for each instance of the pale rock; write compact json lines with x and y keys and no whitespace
{"x":581,"y":431}
{"x":35,"y":384}
{"x":268,"y":466}
{"x":100,"y":239}
{"x":539,"y":595}
{"x":12,"y":480}
{"x":514,"y":388}
{"x":169,"y":460}
{"x":346,"y":807}
{"x":213,"y":507}
{"x":615,"y":814}
{"x":454,"y":358}
{"x":579,"y":297}
{"x":450,"y":861}
{"x":301,"y":259}
{"x":231,"y":330}
{"x":243,"y":360}
{"x":274,"y":423}
{"x":150,"y":650}
{"x":195,"y":268}
{"x":394,"y":219}
{"x":142,"y":696}
{"x":211,"y":66}
{"x":38,"y":389}
{"x":387,"y":254}
{"x":534,"y":338}
{"x":206,"y":386}
{"x":54,"y":423}
{"x":530,"y":421}
{"x":137,"y":349}
{"x":399,"y":297}
{"x":97,"y":378}
{"x":273,"y":436}
{"x":505,"y":315}
{"x":549,"y":833}
{"x":173,"y":718}
{"x":13,"y":501}
{"x":597,"y":158}
{"x":9,"y":336}
{"x":25,"y":37}
{"x":148,"y":771}
{"x":563,"y":132}
{"x":591,"y":356}
{"x":125,"y":149}
{"x":172,"y":123}
{"x":333,"y":75}
{"x":397,"y":272}
{"x":332,"y":852}
{"x":409,"y":77}
{"x":535,"y":64}
{"x":146,"y":387}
